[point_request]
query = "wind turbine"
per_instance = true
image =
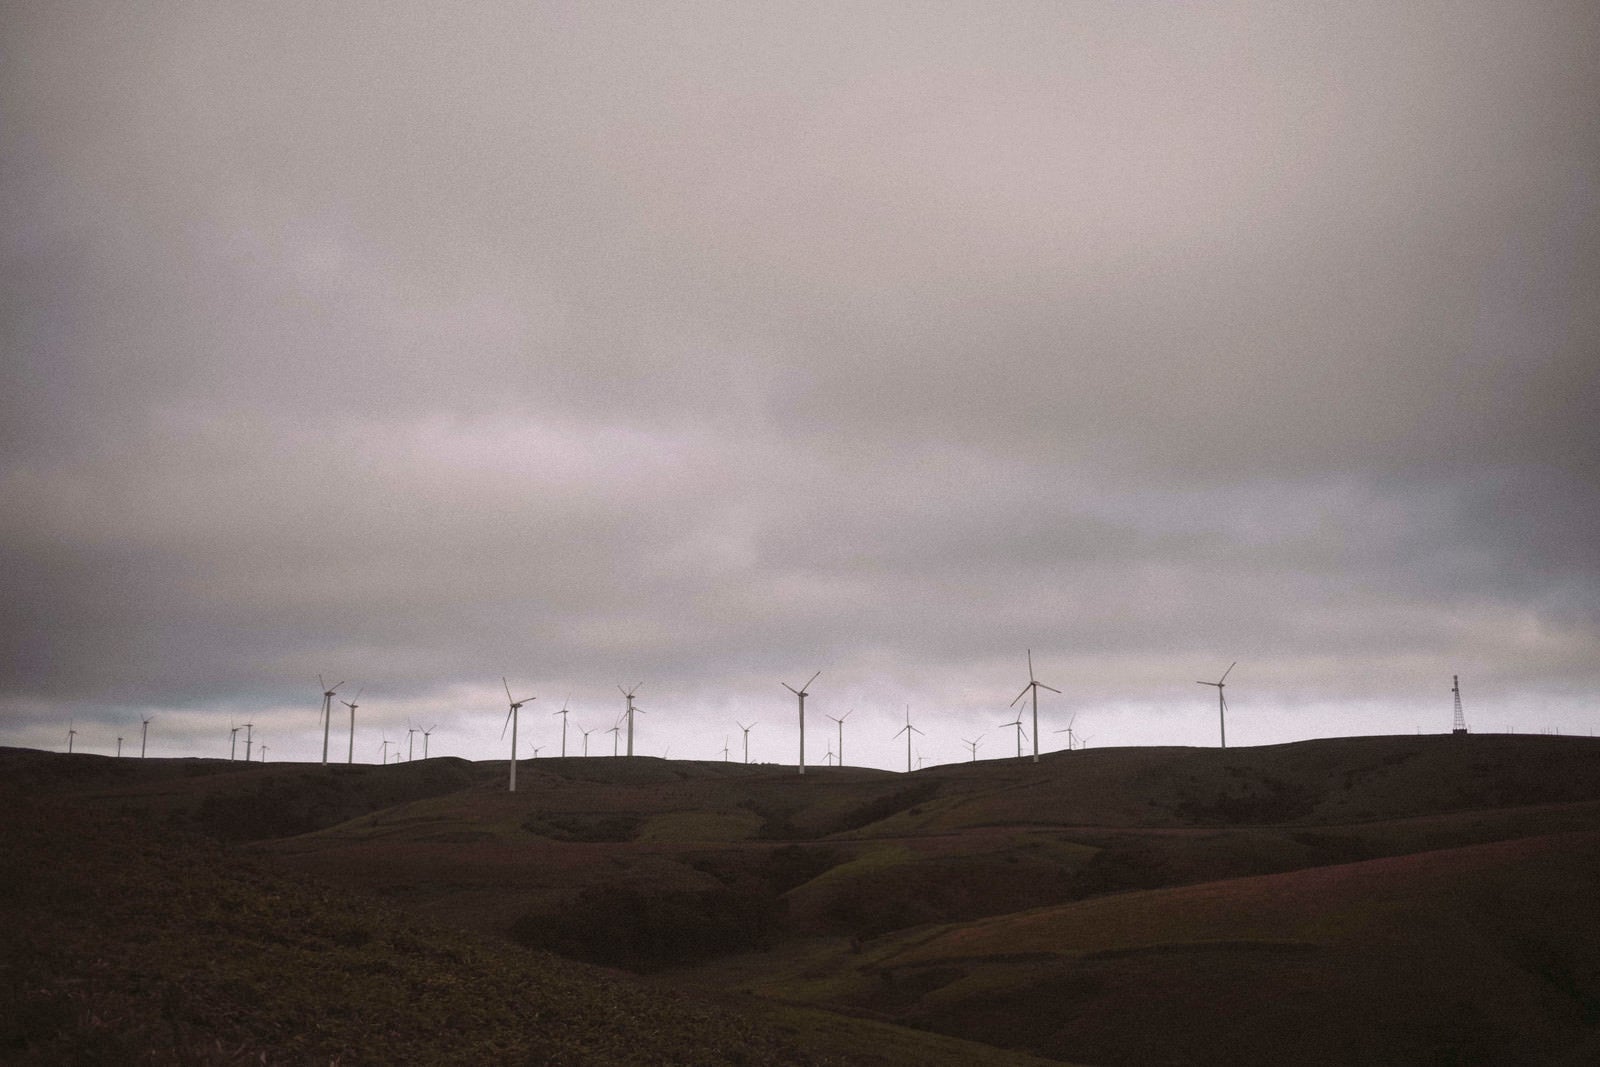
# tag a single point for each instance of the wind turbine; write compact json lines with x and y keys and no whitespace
{"x":352,"y":705}
{"x":263,"y":752}
{"x":425,"y":735}
{"x":563,"y":714}
{"x":536,"y":750}
{"x":631,"y":709}
{"x":585,"y":734}
{"x":829,"y":756}
{"x":840,"y":720}
{"x":908,"y":730}
{"x":1034,"y":685}
{"x":801,"y":693}
{"x":615,"y":733}
{"x":973,"y":745}
{"x":144,"y":735}
{"x":327,"y":713}
{"x":119,"y":748}
{"x":724,"y":748}
{"x":511,"y":721}
{"x":1222,"y":702}
{"x":233,"y":742}
{"x":249,"y":729}
{"x":411,"y":739}
{"x":1071,"y":738}
{"x":746,"y":730}
{"x":72,"y":734}
{"x":385,"y":747}
{"x":1021,"y":733}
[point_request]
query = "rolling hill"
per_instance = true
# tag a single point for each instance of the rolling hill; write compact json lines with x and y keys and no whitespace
{"x":1381,"y":900}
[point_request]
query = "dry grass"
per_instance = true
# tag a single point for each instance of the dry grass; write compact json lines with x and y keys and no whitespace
{"x":1113,"y":906}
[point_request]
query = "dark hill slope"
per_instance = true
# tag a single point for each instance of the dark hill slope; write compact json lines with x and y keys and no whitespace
{"x":1484,"y":954}
{"x":1326,"y":781}
{"x":132,"y":940}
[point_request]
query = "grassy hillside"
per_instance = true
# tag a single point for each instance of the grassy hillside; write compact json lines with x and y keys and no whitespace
{"x":131,"y":939}
{"x":1483,"y":954}
{"x":1112,"y":906}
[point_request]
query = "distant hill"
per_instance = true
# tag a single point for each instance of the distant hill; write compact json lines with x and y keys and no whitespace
{"x":1107,"y":906}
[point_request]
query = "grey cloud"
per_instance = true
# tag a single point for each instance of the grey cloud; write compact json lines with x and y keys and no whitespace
{"x":711,"y":342}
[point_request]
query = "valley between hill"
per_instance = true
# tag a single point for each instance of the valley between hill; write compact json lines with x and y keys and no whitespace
{"x":1375,"y":900}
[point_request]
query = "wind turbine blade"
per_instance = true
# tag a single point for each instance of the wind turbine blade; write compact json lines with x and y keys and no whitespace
{"x":918,"y":731}
{"x":336,"y":688}
{"x":791,"y":688}
{"x":1052,"y":688}
{"x":1021,"y":695}
{"x":1225,"y":673}
{"x":508,"y":689}
{"x":900,"y":731}
{"x":357,"y":697}
{"x":1030,"y":664}
{"x":813,"y":678}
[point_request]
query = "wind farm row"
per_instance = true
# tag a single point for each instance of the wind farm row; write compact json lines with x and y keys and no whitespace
{"x":623,"y":730}
{"x":1027,"y":733}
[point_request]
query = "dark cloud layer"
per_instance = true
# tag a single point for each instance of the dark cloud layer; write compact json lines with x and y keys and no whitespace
{"x":713,"y":344}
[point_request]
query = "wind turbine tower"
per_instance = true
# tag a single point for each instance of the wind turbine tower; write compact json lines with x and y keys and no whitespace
{"x":1035,"y":686}
{"x":144,"y":736}
{"x":908,"y":730}
{"x":511,"y":721}
{"x":615,"y":732}
{"x":411,"y":739}
{"x":840,"y":720}
{"x":631,"y":709}
{"x":233,"y":742}
{"x":1021,"y":733}
{"x":425,"y":735}
{"x":973,"y":745}
{"x":1071,"y":737}
{"x":1222,"y":702}
{"x":119,"y":748}
{"x":352,"y":705}
{"x":72,"y":734}
{"x":327,"y":713}
{"x":1460,"y":726}
{"x":801,"y":693}
{"x":585,"y":734}
{"x":563,"y":714}
{"x":746,"y":730}
{"x":249,"y":729}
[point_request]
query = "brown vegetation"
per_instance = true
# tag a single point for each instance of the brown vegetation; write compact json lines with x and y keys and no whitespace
{"x":1402,"y":900}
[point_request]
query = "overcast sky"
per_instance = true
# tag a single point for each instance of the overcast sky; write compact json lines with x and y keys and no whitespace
{"x":707,"y":345}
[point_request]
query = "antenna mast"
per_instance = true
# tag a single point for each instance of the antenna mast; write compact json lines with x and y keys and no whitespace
{"x":1460,"y":726}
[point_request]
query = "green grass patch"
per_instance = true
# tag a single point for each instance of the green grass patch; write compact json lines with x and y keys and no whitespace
{"x":684,"y":827}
